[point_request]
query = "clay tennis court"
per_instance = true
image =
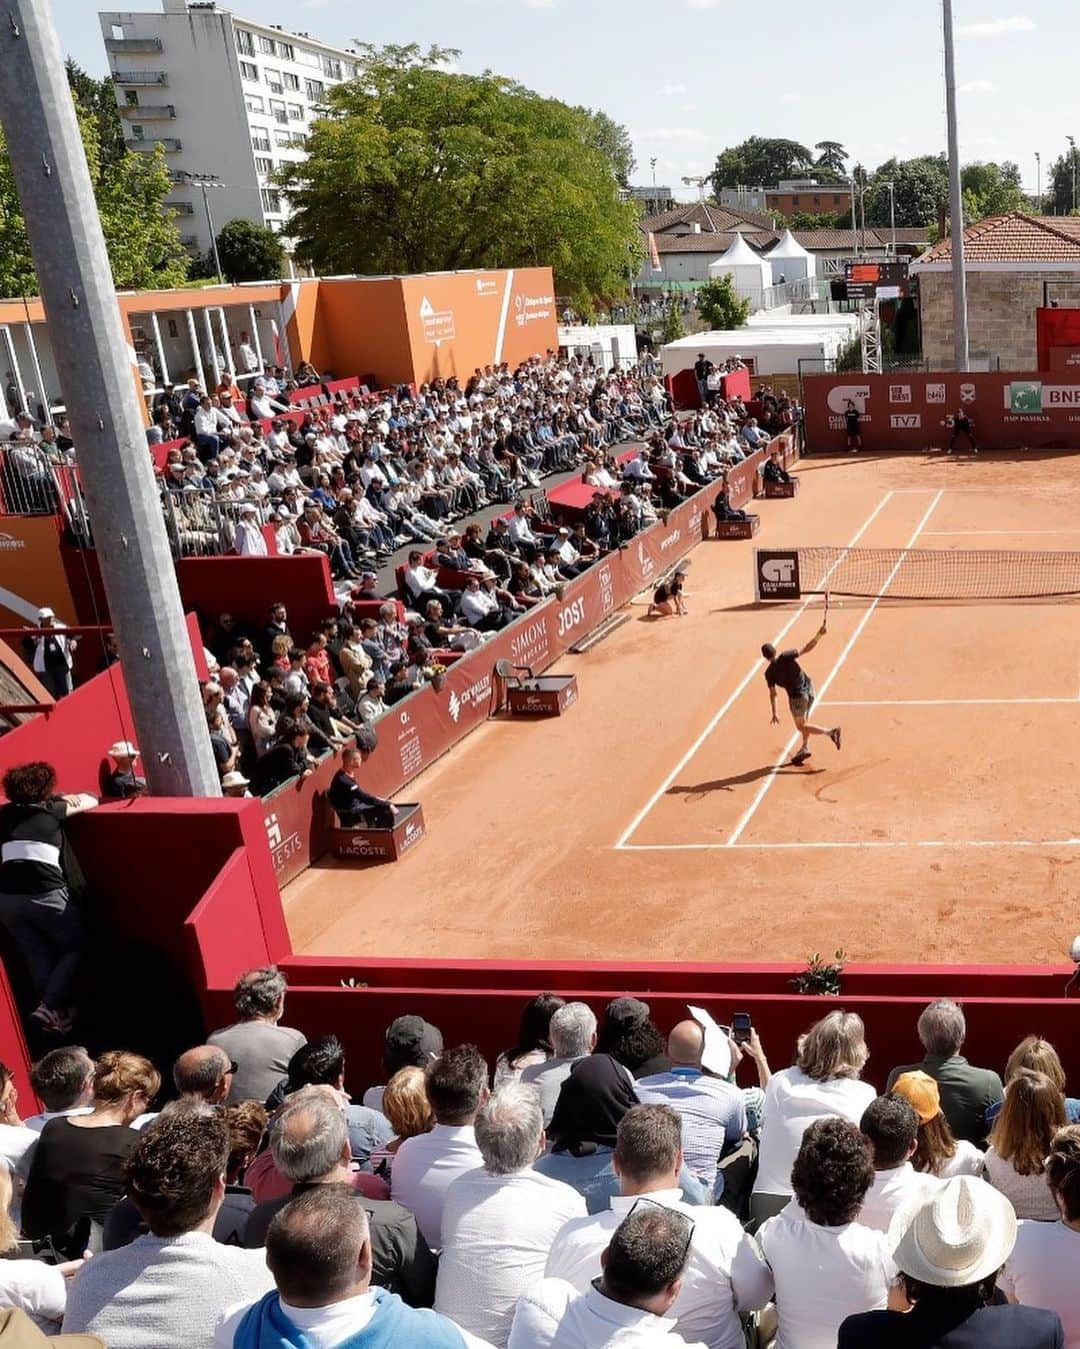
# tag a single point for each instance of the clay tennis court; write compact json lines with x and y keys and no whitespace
{"x":658,"y":819}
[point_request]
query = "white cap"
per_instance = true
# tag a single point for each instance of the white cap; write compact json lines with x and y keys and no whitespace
{"x":234,"y":779}
{"x":46,"y":612}
{"x":123,"y":749}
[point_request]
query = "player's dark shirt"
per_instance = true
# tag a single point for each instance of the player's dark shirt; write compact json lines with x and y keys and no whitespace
{"x":851,"y":417}
{"x":786,"y":673}
{"x":667,"y":591}
{"x":962,"y":424}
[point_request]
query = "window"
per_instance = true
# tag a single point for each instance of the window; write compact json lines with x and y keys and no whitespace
{"x":273,"y":79}
{"x":297,"y":140}
{"x":118,"y":32}
{"x":267,"y":46}
{"x":271,"y":201}
{"x":285,"y":51}
{"x":260,"y":140}
{"x":314,"y":90}
{"x":296,"y":112}
{"x":281,"y":138}
{"x":248,"y":71}
{"x":332,"y":67}
{"x":137,"y":133}
{"x":795,"y":201}
{"x":245,"y":42}
{"x":308,"y":58}
{"x":253,"y":103}
{"x":131,"y":98}
{"x":291,"y":81}
{"x":277,"y":110}
{"x":263,"y":165}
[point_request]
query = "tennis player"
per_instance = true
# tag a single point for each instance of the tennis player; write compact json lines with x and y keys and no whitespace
{"x":785,"y":672}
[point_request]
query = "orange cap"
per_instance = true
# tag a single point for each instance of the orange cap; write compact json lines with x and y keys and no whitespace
{"x":921,"y":1091}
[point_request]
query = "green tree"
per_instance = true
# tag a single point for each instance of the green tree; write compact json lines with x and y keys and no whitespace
{"x":816,"y":220}
{"x":992,"y":189}
{"x":413,"y":168}
{"x":614,"y":143}
{"x":1063,"y":185}
{"x":719,"y":306}
{"x":673,"y":327}
{"x":760,"y":161}
{"x":249,"y":252}
{"x":920,"y":186}
{"x":143,"y":244}
{"x":832,"y":156}
{"x":97,"y":98}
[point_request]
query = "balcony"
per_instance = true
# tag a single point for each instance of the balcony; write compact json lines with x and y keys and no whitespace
{"x":170,"y":144}
{"x":139,"y":77}
{"x":180,"y":207}
{"x":148,"y":112}
{"x":133,"y":46}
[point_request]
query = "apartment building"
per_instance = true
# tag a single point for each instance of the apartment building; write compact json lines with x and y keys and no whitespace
{"x":229,"y":100}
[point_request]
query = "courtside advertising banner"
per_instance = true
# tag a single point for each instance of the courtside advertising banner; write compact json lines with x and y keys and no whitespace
{"x":915,"y":410}
{"x":776,"y":574}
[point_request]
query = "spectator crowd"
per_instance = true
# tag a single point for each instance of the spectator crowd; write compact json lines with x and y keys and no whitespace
{"x":598,"y":1184}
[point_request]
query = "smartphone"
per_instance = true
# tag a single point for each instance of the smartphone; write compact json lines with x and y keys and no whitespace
{"x":740,"y":1027}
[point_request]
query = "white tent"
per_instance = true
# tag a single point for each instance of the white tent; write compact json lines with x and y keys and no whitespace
{"x":790,"y":261}
{"x":750,"y":273}
{"x":775,"y":349}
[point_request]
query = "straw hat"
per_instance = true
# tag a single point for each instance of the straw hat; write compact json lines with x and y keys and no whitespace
{"x":123,"y":749}
{"x":921,"y":1091}
{"x":961,"y":1235}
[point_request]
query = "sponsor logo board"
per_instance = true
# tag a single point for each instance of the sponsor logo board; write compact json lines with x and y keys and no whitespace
{"x":905,"y":421}
{"x":777,"y":575}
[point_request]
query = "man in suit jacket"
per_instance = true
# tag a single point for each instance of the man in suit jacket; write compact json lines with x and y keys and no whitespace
{"x":949,"y":1248}
{"x":967,"y":1092}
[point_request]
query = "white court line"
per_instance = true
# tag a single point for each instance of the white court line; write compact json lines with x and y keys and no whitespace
{"x":957,"y":533}
{"x":947,"y":702}
{"x":751,"y":810}
{"x":632,"y":827}
{"x":860,"y":843}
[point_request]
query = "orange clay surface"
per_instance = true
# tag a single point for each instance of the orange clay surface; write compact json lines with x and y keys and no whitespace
{"x":946,"y":829}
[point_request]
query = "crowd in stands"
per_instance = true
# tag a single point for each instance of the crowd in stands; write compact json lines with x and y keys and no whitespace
{"x":597,"y":1185}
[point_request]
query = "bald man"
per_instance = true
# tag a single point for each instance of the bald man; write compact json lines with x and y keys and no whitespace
{"x":206,"y":1072}
{"x":712,"y":1110}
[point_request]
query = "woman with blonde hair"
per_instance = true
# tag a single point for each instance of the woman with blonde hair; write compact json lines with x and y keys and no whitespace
{"x":1039,"y":1054}
{"x":824,"y":1082}
{"x":1041,"y":1272}
{"x":77,"y":1171}
{"x":1033,"y":1112}
{"x":405,"y":1104}
{"x":38,"y":1289}
{"x":937,"y":1152}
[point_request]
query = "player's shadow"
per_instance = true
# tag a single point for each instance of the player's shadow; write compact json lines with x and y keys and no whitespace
{"x":700,"y":789}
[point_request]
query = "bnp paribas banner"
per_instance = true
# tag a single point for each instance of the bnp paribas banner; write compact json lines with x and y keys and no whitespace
{"x":1031,"y":397}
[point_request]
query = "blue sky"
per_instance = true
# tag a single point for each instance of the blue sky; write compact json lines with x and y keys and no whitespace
{"x":691,"y":76}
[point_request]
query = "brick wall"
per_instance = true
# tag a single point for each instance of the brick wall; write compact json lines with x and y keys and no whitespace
{"x":1001,"y":315}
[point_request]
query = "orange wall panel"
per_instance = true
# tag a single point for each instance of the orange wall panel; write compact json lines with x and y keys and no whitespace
{"x":32,"y":570}
{"x":361,"y":326}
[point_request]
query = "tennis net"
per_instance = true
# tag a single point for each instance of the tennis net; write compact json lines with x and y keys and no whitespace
{"x":938,"y":573}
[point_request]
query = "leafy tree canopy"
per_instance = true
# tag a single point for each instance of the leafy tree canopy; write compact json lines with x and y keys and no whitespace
{"x":249,"y":251}
{"x":130,"y":188}
{"x":831,"y":156}
{"x":761,"y":161}
{"x":719,"y":306}
{"x":416,"y":168}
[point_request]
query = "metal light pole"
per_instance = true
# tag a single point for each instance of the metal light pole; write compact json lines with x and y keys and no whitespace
{"x":1072,"y":156}
{"x":892,"y":214}
{"x":956,"y":198}
{"x":652,"y":165}
{"x":1038,"y":182}
{"x":204,"y":181}
{"x":854,"y":219}
{"x":95,"y":370}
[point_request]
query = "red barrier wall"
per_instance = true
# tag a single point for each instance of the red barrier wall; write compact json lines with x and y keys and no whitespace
{"x":1056,"y":329}
{"x":247,"y":586}
{"x":909,"y":411}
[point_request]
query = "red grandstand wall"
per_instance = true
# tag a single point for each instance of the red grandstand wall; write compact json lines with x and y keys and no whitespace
{"x":910,"y":410}
{"x":1057,"y":331}
{"x":247,"y":586}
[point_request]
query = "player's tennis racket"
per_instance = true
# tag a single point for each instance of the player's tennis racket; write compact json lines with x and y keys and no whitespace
{"x":825,"y":611}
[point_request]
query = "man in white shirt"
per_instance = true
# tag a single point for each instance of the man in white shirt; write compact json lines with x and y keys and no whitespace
{"x":424,"y":1167}
{"x":480,"y":607}
{"x":712,"y":1110}
{"x":64,"y":1081}
{"x":249,"y":361}
{"x":249,"y":537}
{"x":211,"y":428}
{"x":892,"y":1127}
{"x":638,"y":468}
{"x":422,"y":584}
{"x":499,"y":1221}
{"x":520,"y":528}
{"x":262,"y":405}
{"x":725,"y":1274}
{"x":318,"y":1249}
{"x":628,"y":1304}
{"x":572,"y":1031}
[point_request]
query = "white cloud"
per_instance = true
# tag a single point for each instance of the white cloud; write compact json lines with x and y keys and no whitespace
{"x":704,"y":4}
{"x":791,"y":98}
{"x":977,"y":87}
{"x":672,"y":89}
{"x":669,"y":133}
{"x":1015,"y":23}
{"x":539,"y":4}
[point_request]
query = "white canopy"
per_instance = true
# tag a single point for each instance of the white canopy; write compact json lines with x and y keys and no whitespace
{"x":790,"y":261}
{"x":773,"y":350}
{"x":750,"y":273}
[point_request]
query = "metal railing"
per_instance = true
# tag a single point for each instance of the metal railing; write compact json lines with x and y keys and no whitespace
{"x":139,"y":77}
{"x":201,"y":524}
{"x":170,"y":144}
{"x":148,"y":112}
{"x":133,"y":44}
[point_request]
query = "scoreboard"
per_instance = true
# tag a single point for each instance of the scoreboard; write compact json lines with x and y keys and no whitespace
{"x":865,"y":279}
